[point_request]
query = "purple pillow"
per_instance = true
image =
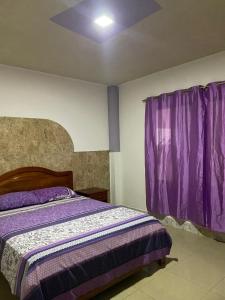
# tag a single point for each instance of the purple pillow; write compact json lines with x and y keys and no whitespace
{"x":21,"y":199}
{"x":53,"y":193}
{"x":17,"y":199}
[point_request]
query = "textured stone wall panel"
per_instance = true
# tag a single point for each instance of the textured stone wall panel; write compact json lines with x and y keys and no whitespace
{"x":91,"y":169}
{"x":34,"y":142}
{"x":28,"y":142}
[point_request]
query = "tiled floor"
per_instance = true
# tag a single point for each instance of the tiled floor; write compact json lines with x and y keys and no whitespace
{"x":195,"y":271}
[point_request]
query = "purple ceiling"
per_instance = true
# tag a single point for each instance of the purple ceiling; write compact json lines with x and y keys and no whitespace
{"x":125,"y":13}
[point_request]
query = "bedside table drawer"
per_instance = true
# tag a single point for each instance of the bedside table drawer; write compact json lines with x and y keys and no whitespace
{"x":102,"y":196}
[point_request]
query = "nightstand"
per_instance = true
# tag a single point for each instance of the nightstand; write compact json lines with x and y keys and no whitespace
{"x":94,"y":193}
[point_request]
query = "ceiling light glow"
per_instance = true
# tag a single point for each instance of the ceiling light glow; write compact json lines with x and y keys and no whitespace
{"x":103,"y":21}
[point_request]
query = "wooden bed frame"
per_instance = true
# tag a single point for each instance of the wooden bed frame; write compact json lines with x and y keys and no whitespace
{"x":31,"y":178}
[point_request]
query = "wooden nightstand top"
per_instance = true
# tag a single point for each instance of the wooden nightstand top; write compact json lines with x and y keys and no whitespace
{"x":92,"y":190}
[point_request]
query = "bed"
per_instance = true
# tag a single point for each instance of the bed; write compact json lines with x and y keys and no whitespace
{"x":72,"y":248}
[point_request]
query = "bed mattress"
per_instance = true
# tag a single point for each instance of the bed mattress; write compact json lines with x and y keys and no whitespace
{"x":67,"y":248}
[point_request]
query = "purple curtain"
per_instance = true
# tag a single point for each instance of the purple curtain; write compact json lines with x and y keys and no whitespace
{"x":185,"y":155}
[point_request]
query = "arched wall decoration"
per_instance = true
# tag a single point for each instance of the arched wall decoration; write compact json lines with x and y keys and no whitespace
{"x":34,"y":142}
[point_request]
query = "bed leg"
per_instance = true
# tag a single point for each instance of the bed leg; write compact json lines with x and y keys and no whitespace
{"x":162,"y":262}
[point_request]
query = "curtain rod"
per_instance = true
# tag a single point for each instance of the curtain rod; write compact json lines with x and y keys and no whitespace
{"x":202,"y":87}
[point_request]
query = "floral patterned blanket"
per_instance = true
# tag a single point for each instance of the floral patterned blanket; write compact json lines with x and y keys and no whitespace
{"x":66,"y":248}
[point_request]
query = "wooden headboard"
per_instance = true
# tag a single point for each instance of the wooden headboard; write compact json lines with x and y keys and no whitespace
{"x":31,"y":178}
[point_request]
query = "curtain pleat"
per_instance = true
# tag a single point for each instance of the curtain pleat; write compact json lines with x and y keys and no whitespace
{"x":214,"y":193}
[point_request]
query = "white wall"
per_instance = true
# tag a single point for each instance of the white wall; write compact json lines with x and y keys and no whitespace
{"x":79,"y":106}
{"x":130,"y":162}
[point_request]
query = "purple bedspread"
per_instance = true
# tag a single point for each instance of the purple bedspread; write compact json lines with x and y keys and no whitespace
{"x":65,"y":249}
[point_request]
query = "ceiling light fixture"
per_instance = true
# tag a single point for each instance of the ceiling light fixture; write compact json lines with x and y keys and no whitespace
{"x":103,"y":21}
